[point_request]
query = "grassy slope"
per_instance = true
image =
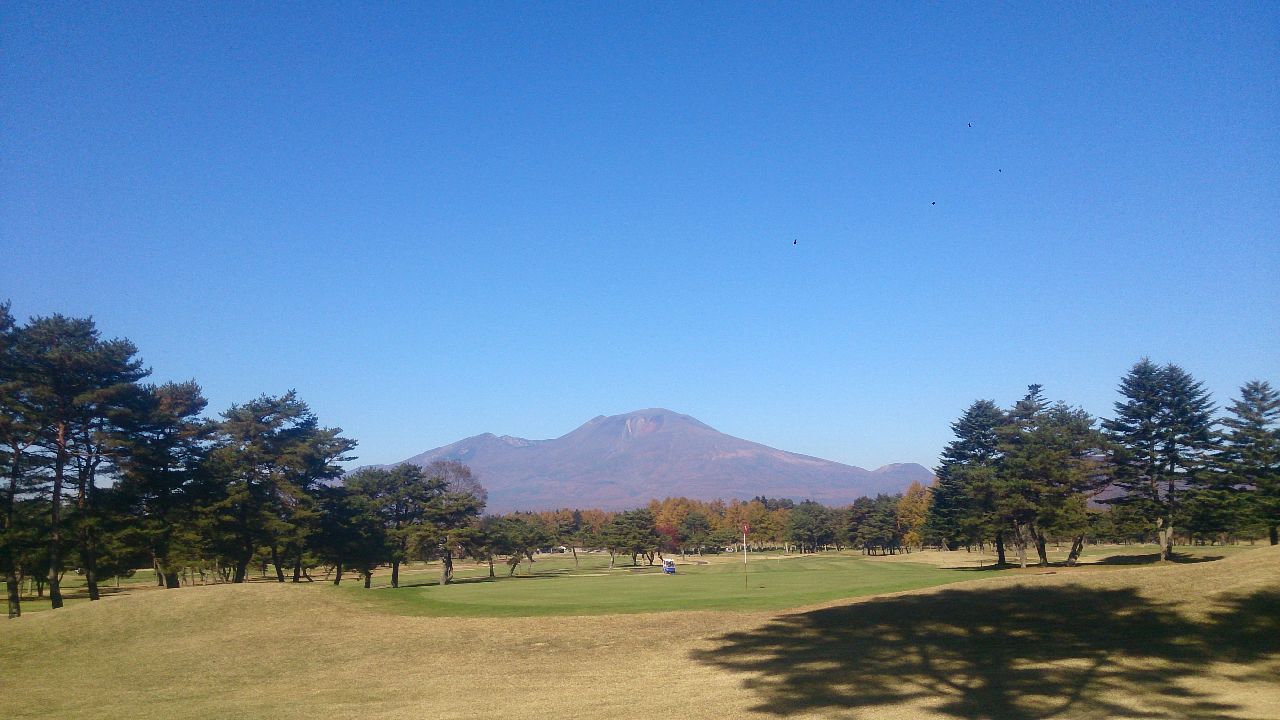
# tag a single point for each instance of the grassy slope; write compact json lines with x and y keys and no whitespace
{"x":1166,"y":641}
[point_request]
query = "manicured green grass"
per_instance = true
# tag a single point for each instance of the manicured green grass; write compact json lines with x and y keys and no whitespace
{"x":556,"y":587}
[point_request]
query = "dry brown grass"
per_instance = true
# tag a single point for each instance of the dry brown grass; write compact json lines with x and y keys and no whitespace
{"x":286,"y":651}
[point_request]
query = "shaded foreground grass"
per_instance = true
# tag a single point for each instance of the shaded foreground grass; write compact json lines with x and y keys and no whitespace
{"x":1155,"y":643}
{"x":994,"y":653}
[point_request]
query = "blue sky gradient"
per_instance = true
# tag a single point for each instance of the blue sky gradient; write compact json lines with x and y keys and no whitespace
{"x":445,"y":220}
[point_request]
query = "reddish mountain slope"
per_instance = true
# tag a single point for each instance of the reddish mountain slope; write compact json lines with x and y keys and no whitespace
{"x":623,"y":461}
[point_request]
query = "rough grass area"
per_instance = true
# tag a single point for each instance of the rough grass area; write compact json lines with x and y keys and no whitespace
{"x":1185,"y":640}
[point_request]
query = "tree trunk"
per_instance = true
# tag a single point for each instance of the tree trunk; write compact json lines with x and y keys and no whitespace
{"x":1000,"y":559}
{"x":242,"y":569}
{"x":275,"y":560}
{"x":337,"y":575}
{"x":55,"y":519}
{"x":490,"y":566}
{"x":297,"y":567}
{"x":446,"y":567}
{"x":10,"y":562}
{"x":14,"y":591}
{"x":1077,"y":545}
{"x":395,"y":573}
{"x":1275,"y":534}
{"x":90,"y":557}
{"x":368,"y":577}
{"x":171,"y":580}
{"x":88,"y":540}
{"x":1020,"y":541}
{"x":574,"y":550}
{"x":1040,"y":547}
{"x":1164,"y":535}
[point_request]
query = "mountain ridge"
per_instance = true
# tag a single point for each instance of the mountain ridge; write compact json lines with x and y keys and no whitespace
{"x":620,"y":461}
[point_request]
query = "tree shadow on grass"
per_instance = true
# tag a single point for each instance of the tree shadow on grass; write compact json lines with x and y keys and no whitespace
{"x":1002,"y":654}
{"x":476,"y":580}
{"x":1153,"y":558}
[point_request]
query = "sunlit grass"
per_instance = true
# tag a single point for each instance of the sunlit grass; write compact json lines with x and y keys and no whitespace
{"x":554,"y":586}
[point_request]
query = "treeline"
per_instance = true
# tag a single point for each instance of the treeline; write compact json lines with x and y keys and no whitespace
{"x":1164,"y":468}
{"x":104,"y":473}
{"x":883,"y":524}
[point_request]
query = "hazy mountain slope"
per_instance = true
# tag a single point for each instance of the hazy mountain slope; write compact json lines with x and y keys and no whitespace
{"x":624,"y":460}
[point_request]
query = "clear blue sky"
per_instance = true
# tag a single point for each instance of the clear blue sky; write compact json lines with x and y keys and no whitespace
{"x":439,"y":221}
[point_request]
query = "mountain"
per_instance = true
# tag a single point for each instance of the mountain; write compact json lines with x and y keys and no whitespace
{"x":623,"y":461}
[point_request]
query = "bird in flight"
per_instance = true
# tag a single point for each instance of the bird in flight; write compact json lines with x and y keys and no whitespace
{"x":935,"y":202}
{"x":970,"y":124}
{"x":793,"y":242}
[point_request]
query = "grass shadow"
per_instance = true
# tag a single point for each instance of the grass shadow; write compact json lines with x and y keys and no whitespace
{"x":478,"y":580}
{"x":1153,"y":558}
{"x":1002,"y":654}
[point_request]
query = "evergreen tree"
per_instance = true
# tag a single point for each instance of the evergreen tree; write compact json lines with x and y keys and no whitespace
{"x":1053,"y":460}
{"x":456,"y":499}
{"x":351,"y":533}
{"x":1163,"y":433}
{"x":399,"y":495}
{"x":250,"y":463}
{"x":879,"y":529}
{"x":811,"y":526}
{"x":158,"y":458}
{"x":21,"y":428}
{"x":1017,"y":488}
{"x":694,"y":530}
{"x":961,"y":510}
{"x":75,"y":382}
{"x":520,"y":535}
{"x":851,"y":520}
{"x":1250,"y":456}
{"x":633,"y":533}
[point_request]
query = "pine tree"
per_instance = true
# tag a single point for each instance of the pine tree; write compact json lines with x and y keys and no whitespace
{"x":1250,"y":456}
{"x":810,"y":526}
{"x":158,"y":457}
{"x":21,"y":428}
{"x":633,"y":533}
{"x":1053,"y":461}
{"x":250,"y":464}
{"x":960,"y":512}
{"x":1018,"y":488}
{"x":1163,"y":430}
{"x":75,"y":382}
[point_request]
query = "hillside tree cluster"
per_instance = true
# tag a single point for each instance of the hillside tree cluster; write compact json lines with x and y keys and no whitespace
{"x":1165,"y":467}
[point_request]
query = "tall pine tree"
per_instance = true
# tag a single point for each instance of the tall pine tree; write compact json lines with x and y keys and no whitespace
{"x":961,"y":511}
{"x":1163,"y":432}
{"x":1250,"y":456}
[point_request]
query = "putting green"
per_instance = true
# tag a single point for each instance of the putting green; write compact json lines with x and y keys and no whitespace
{"x":556,"y":587}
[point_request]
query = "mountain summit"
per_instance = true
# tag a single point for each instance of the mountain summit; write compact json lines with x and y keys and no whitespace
{"x":622,"y":461}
